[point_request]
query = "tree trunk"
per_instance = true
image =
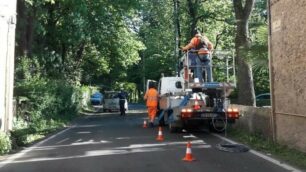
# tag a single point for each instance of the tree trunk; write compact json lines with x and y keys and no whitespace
{"x":246,"y":93}
{"x":24,"y":31}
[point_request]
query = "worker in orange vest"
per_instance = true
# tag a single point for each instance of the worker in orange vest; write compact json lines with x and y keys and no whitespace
{"x":203,"y":46}
{"x":151,"y":98}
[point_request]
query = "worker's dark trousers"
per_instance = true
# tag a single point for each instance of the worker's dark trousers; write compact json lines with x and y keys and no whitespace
{"x":122,"y":109}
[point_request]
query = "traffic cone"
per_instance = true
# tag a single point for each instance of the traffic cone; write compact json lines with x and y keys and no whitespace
{"x":188,"y":157}
{"x":145,"y":124}
{"x":160,"y":136}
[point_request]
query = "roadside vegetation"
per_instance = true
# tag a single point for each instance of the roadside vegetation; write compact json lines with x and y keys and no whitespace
{"x":5,"y":143}
{"x":281,"y":152}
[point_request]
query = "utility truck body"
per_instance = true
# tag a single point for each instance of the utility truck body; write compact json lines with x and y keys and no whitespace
{"x":186,"y":103}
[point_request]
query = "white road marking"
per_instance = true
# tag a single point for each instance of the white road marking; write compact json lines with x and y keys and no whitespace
{"x":105,"y":141}
{"x":189,"y":136}
{"x":202,"y":146}
{"x":135,"y":148}
{"x":70,"y":145}
{"x":123,"y":138}
{"x":90,"y":154}
{"x":88,"y":126}
{"x":79,"y":140}
{"x":42,"y":148}
{"x":62,"y":141}
{"x":84,"y":132}
{"x":143,"y":146}
{"x":195,"y":142}
{"x":23,"y":152}
{"x":265,"y":157}
{"x":85,"y":143}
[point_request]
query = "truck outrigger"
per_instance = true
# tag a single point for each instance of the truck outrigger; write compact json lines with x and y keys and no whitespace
{"x":185,"y":102}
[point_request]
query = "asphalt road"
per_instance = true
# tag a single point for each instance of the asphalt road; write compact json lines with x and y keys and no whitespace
{"x":110,"y":143}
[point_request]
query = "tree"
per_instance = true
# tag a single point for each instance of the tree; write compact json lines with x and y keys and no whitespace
{"x":157,"y":34}
{"x":246,"y":93}
{"x":79,"y":42}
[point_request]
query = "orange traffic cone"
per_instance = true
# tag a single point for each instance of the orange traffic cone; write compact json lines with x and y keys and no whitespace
{"x":160,"y":136}
{"x":145,"y":124}
{"x":188,"y":156}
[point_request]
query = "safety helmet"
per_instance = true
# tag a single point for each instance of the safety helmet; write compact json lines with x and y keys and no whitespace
{"x":198,"y":35}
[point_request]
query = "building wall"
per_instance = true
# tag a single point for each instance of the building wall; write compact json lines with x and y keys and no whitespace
{"x":7,"y":47}
{"x":288,"y":71}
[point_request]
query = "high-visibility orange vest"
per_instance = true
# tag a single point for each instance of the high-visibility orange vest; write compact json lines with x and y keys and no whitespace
{"x":203,"y":49}
{"x":152,"y":97}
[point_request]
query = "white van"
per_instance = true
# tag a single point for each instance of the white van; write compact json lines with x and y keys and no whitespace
{"x":111,"y":103}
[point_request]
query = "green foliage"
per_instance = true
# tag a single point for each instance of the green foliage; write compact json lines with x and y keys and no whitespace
{"x":48,"y":97}
{"x":5,"y":143}
{"x":157,"y":33}
{"x":261,"y":80}
{"x":258,"y":57}
{"x":43,"y":104}
{"x":84,"y":42}
{"x":214,"y":18}
{"x":22,"y":137}
{"x":49,"y":104}
{"x":26,"y":68}
{"x":258,"y":52}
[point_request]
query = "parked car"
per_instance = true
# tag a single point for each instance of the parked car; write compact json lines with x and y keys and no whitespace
{"x":96,"y":98}
{"x":263,"y":100}
{"x":111,"y":101}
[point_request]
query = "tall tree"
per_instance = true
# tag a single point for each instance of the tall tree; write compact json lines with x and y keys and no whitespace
{"x":80,"y":41}
{"x":157,"y":34}
{"x":246,"y":93}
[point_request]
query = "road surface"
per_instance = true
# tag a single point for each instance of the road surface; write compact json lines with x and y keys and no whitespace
{"x":107,"y":142}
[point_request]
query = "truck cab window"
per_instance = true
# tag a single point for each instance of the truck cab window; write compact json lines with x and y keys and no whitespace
{"x":178,"y":84}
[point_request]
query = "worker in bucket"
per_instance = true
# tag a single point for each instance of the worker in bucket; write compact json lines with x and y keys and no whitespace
{"x":151,"y":97}
{"x":202,"y":47}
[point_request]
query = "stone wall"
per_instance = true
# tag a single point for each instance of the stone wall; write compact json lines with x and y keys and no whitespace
{"x":255,"y":120}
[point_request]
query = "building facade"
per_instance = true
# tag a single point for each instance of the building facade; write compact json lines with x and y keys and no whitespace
{"x":287,"y":37}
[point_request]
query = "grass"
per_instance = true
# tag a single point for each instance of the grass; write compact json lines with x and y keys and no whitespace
{"x":281,"y":152}
{"x":24,"y":136}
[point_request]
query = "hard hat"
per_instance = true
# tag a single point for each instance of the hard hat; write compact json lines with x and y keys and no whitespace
{"x":198,"y":35}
